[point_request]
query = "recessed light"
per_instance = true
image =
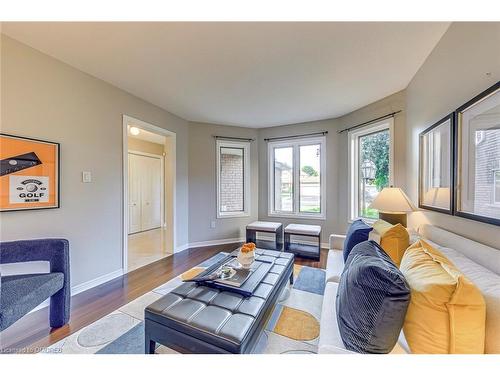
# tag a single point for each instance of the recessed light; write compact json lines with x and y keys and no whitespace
{"x":134,"y":130}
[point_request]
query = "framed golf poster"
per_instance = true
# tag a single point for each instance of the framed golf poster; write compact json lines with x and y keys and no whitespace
{"x":29,"y":173}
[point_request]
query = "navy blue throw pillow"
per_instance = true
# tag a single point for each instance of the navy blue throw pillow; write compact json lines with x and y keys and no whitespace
{"x":358,"y":232}
{"x":372,"y":300}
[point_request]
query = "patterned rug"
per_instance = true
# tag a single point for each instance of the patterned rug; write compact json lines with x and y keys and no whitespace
{"x":292,"y":328}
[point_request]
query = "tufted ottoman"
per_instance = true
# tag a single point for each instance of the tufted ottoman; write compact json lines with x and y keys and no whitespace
{"x":201,"y":319}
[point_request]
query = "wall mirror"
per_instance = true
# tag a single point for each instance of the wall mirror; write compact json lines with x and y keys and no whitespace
{"x":435,"y":169}
{"x":478,"y":157}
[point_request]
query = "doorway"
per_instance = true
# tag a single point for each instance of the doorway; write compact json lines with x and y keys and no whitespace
{"x":149,"y":188}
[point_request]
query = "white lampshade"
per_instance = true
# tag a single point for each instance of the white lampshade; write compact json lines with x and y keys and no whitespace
{"x":392,"y":200}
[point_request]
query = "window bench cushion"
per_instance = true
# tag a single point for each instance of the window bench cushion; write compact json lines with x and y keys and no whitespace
{"x":264,"y":226}
{"x":302,"y":229}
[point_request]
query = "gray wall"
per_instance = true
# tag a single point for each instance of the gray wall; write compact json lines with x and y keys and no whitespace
{"x":47,"y":99}
{"x":333,"y":221}
{"x":203,"y":184}
{"x":453,"y":73}
{"x":44,"y":98}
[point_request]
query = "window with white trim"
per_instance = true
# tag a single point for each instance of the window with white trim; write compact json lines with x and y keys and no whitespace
{"x":370,"y":166}
{"x":233,"y":178}
{"x":296,"y":181}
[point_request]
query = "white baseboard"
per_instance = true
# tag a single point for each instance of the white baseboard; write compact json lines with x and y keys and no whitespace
{"x":95,"y":282}
{"x":180,"y":248}
{"x":85,"y":286}
{"x":215,"y":242}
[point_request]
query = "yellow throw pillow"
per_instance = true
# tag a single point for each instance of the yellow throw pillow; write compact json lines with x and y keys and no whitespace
{"x":394,"y":239}
{"x":447,"y":312}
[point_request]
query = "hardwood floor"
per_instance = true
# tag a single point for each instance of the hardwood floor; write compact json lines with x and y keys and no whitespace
{"x":32,"y":333}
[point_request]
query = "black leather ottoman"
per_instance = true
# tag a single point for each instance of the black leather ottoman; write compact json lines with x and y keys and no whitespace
{"x":200,"y":319}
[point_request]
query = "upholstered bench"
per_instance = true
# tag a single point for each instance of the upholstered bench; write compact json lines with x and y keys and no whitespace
{"x":201,"y":319}
{"x":300,"y":249}
{"x":273,"y":228}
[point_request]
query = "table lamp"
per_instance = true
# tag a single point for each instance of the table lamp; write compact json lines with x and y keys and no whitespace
{"x":393,"y":205}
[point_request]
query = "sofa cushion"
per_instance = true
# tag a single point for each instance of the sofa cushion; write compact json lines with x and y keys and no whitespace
{"x":329,"y":336}
{"x":334,"y":266}
{"x":489,"y":284}
{"x":447,"y":311}
{"x":358,"y":232}
{"x":394,"y":239}
{"x":372,"y":300}
{"x":22,"y":293}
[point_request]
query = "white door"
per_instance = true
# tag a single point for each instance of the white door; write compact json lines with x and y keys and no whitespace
{"x":145,"y":189}
{"x":134,"y":194}
{"x":157,"y":191}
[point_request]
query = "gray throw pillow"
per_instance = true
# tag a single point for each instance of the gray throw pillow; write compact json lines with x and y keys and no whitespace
{"x":372,"y":300}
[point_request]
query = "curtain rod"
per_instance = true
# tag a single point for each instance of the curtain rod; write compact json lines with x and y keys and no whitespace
{"x":369,"y":122}
{"x":234,"y":138}
{"x":296,"y":136}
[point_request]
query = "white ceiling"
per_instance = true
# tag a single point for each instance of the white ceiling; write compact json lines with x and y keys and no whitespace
{"x":246,"y":74}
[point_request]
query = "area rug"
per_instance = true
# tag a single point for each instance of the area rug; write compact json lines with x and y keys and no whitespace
{"x":293,"y":326}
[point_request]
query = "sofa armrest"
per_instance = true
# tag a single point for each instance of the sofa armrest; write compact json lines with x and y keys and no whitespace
{"x":53,"y":250}
{"x":337,"y":241}
{"x":56,"y":252}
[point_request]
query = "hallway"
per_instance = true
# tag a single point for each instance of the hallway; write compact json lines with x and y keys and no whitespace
{"x":147,"y":247}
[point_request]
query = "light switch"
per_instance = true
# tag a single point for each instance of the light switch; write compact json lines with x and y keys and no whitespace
{"x":212,"y":224}
{"x":86,"y":176}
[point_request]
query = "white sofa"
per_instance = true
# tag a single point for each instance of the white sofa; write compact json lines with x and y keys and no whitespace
{"x":480,"y":263}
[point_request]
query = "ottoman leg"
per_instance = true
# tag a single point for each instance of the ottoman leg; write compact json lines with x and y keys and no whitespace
{"x":319,"y":246}
{"x":149,"y":345}
{"x":251,"y":235}
{"x":279,"y":239}
{"x":287,"y":242}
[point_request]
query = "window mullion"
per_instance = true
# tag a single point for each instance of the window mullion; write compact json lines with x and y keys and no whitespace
{"x":296,"y":179}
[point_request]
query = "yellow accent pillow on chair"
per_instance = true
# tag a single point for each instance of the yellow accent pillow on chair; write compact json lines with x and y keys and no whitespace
{"x":394,"y":239}
{"x":447,"y":312}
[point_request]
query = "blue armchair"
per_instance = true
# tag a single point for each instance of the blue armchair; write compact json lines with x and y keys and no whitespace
{"x":19,"y":294}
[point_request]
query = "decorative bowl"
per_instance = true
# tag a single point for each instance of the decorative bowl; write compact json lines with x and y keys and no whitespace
{"x":246,"y":258}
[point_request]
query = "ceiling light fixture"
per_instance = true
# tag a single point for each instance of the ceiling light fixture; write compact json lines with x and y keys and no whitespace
{"x":134,"y":130}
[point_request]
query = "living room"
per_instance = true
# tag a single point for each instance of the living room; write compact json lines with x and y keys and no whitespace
{"x":288,"y":149}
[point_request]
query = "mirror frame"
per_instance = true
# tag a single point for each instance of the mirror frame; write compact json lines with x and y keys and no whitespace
{"x":450,"y":211}
{"x":457,"y":140}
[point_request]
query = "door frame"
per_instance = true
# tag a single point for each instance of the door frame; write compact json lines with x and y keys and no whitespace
{"x":126,"y":121}
{"x":163,"y":221}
